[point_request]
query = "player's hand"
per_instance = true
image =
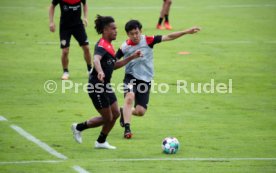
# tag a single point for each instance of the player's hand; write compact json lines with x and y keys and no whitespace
{"x":101,"y":76}
{"x":85,"y":22}
{"x":52,"y":27}
{"x":192,"y":30}
{"x":137,"y":54}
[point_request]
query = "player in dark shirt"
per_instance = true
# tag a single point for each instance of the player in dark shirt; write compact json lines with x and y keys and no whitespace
{"x":71,"y":24}
{"x":99,"y":89}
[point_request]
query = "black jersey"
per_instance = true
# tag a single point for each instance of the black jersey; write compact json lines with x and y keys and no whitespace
{"x":70,"y":12}
{"x":107,"y":52}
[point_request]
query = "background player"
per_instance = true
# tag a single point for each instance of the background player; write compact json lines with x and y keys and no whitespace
{"x":164,"y":13}
{"x":71,"y":24}
{"x":100,"y":91}
{"x":139,"y":72}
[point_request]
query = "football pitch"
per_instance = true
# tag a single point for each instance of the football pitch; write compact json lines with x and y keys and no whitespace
{"x":228,"y":132}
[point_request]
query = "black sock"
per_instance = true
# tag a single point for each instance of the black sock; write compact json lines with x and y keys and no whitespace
{"x":89,"y":66}
{"x":102,"y":137}
{"x":82,"y":126}
{"x":127,"y":127}
{"x":65,"y":70}
{"x":160,"y":21}
{"x":166,"y":18}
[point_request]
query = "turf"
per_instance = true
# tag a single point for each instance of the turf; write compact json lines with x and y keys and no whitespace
{"x":237,"y":42}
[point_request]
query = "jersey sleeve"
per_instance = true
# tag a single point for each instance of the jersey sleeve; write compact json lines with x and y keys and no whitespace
{"x":55,"y":2}
{"x":152,"y":40}
{"x":100,"y":51}
{"x":119,"y":54}
{"x":83,"y":2}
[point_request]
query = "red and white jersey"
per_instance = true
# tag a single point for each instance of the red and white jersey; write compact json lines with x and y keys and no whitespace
{"x":141,"y":68}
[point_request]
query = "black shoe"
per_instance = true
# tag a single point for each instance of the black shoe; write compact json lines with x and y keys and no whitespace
{"x":122,"y":122}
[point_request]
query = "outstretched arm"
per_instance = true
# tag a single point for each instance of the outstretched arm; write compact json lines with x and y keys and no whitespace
{"x":51,"y":18}
{"x":178,"y":34}
{"x":123,"y":62}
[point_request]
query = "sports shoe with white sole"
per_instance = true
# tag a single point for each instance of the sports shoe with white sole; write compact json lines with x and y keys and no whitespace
{"x":65,"y":76}
{"x":104,"y":145}
{"x":76,"y":133}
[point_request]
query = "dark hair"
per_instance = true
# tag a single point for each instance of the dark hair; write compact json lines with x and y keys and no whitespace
{"x":133,"y":24}
{"x":101,"y":22}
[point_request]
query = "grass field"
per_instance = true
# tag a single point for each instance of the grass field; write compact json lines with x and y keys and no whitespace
{"x":238,"y":129}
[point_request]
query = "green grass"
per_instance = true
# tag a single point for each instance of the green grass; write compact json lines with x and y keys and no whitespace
{"x":237,"y":125}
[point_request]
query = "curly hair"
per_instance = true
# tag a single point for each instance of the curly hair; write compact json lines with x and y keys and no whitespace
{"x":101,"y":22}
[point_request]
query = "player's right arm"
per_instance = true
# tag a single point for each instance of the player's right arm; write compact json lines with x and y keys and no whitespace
{"x":123,"y":62}
{"x":52,"y":25}
{"x":98,"y":67}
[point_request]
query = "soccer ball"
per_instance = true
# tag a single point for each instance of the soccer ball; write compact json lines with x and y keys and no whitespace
{"x":170,"y":145}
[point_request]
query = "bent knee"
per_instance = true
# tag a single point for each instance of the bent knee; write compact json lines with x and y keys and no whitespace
{"x":140,"y":112}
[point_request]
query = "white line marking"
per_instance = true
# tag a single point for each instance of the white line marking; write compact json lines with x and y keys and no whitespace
{"x":190,"y":159}
{"x":43,"y":145}
{"x":47,"y":42}
{"x":16,"y":7}
{"x":238,"y":42}
{"x":7,"y":42}
{"x":227,"y":42}
{"x":3,"y":118}
{"x":30,"y":162}
{"x":242,"y":6}
{"x":79,"y":169}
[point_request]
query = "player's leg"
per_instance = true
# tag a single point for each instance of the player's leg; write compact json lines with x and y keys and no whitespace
{"x":127,"y":112}
{"x":65,"y":37}
{"x":167,"y":7}
{"x":109,"y":122}
{"x":87,"y":57}
{"x":161,"y":17}
{"x":142,"y":99}
{"x":81,"y":36}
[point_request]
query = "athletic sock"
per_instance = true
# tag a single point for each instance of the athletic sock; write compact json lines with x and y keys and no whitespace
{"x":160,"y":20}
{"x":166,"y":18}
{"x":89,"y":66}
{"x":102,"y":137}
{"x":127,"y":127}
{"x":65,"y":70}
{"x":82,"y":126}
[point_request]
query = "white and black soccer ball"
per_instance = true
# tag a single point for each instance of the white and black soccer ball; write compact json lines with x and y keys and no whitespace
{"x":170,"y":145}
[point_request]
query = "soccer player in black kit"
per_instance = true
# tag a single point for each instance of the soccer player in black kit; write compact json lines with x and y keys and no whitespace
{"x":71,"y":24}
{"x":99,"y":89}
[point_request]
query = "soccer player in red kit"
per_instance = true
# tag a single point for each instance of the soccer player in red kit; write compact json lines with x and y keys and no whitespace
{"x":99,"y":88}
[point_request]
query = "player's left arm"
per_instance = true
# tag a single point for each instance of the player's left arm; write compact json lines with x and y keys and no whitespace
{"x":178,"y":34}
{"x":85,"y":13}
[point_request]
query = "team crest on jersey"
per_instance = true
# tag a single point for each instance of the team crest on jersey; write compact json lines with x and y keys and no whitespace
{"x":65,"y":8}
{"x":63,"y":42}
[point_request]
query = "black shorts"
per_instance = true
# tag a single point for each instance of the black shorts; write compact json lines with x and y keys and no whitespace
{"x":140,"y":88}
{"x":102,"y":95}
{"x":77,"y":31}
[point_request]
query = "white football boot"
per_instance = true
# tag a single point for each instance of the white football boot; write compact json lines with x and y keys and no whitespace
{"x":104,"y":145}
{"x":76,"y":133}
